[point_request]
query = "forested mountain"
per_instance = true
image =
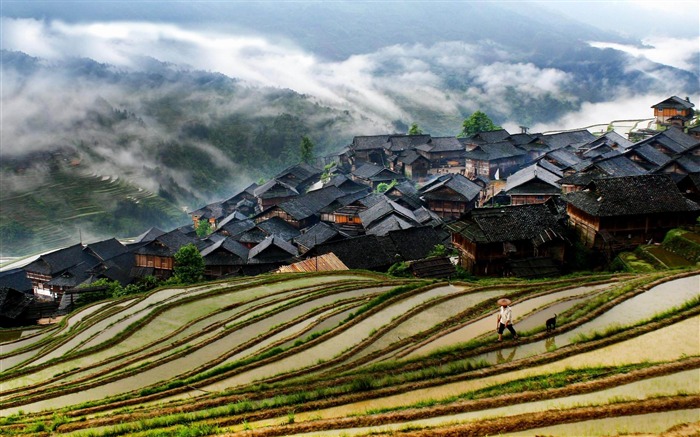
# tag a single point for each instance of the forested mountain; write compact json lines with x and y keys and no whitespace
{"x":191,"y":122}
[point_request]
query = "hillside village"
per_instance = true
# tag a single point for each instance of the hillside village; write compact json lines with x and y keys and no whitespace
{"x":499,"y":203}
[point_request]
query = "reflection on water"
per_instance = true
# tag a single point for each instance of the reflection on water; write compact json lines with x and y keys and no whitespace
{"x":634,"y":310}
{"x":500,"y":359}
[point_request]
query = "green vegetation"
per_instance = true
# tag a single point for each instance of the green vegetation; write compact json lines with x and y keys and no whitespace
{"x":306,"y":150}
{"x":477,"y":122}
{"x":415,"y":130}
{"x":189,"y":265}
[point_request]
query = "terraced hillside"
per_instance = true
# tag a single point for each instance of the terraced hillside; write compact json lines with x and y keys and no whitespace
{"x":356,"y":353}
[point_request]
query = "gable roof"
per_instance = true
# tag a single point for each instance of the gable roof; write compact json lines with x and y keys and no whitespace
{"x":149,"y":235}
{"x":414,"y":243}
{"x":274,"y":188}
{"x":674,"y":102}
{"x":494,"y":151}
{"x":384,"y":208}
{"x":55,"y":262}
{"x":673,"y":139}
{"x":445,"y":144}
{"x":15,"y":279}
{"x":369,"y":142}
{"x":225,"y":252}
{"x":456,"y":183}
{"x":392,"y":222}
{"x":298,"y":175}
{"x":574,"y":138}
{"x":236,"y":227}
{"x":376,"y":173}
{"x":316,"y":234}
{"x":485,"y":137}
{"x":106,"y":249}
{"x":168,"y":244}
{"x":272,"y":249}
{"x":508,"y":223}
{"x":645,"y":194}
{"x":434,"y":267}
{"x":363,"y":252}
{"x":279,"y":228}
{"x":311,"y":203}
{"x":529,"y":174}
{"x":398,"y":143}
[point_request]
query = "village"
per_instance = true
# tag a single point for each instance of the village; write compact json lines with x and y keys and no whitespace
{"x":494,"y":203}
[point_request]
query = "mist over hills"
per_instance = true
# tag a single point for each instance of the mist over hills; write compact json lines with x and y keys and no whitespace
{"x":207,"y":97}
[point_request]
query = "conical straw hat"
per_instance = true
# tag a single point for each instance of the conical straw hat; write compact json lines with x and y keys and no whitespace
{"x":504,"y":301}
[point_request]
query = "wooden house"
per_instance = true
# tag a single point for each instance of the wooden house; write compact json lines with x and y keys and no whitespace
{"x":533,"y":184}
{"x":413,"y":165}
{"x":242,"y":203}
{"x":444,"y":153}
{"x":372,"y":175}
{"x":157,"y":257}
{"x":450,"y":195}
{"x":673,"y":111}
{"x":304,"y":210}
{"x":55,"y":265}
{"x":615,"y":214}
{"x":270,"y":254}
{"x":386,"y":216}
{"x":346,"y":215}
{"x":317,"y":234}
{"x":225,"y":257}
{"x":494,"y":160}
{"x":487,"y":239}
{"x":274,"y":192}
{"x":369,"y":149}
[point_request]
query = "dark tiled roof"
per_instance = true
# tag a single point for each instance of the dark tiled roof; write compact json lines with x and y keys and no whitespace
{"x":237,"y":227}
{"x":369,"y":142}
{"x":279,"y":228}
{"x":565,"y":157}
{"x":456,"y":183}
{"x":168,"y":244}
{"x":376,"y":173}
{"x":60,"y":260}
{"x":391,"y":222}
{"x":414,"y":243}
{"x":298,"y":175}
{"x":406,"y":192}
{"x":398,"y":143}
{"x":674,"y":102}
{"x":316,"y":234}
{"x":346,"y":184}
{"x":274,"y":188}
{"x":311,"y":203}
{"x":434,"y":267}
{"x":13,"y":302}
{"x":690,"y":163}
{"x":550,"y":167}
{"x":673,"y":139}
{"x":150,"y":235}
{"x":107,"y":249}
{"x":15,"y":279}
{"x":364,"y":252}
{"x":646,"y":194}
{"x":493,"y":136}
{"x":383,"y":209}
{"x":73,"y":276}
{"x":576,"y":139}
{"x":619,"y":165}
{"x":529,"y":174}
{"x":522,"y":139}
{"x":650,"y":154}
{"x":493,"y":151}
{"x":225,"y":252}
{"x":446,"y":144}
{"x":272,"y":249}
{"x":508,"y":223}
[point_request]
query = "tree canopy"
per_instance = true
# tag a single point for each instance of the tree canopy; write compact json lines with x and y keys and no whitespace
{"x":414,"y":130}
{"x":477,"y":122}
{"x":189,"y":265}
{"x":306,"y":150}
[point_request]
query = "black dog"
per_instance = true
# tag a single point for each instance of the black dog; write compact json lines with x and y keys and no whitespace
{"x":551,"y":323}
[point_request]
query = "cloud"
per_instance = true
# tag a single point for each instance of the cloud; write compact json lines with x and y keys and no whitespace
{"x":682,"y":53}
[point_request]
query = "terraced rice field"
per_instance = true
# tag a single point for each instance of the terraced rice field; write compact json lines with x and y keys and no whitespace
{"x":357,"y":353}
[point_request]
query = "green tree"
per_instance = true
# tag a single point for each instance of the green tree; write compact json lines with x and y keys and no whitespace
{"x":328,"y":171}
{"x":384,"y":187}
{"x":415,"y":130}
{"x":477,"y":122}
{"x":307,"y":150}
{"x":203,"y":228}
{"x":189,"y":265}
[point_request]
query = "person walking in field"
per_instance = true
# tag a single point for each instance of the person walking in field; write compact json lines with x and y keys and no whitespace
{"x":505,"y":319}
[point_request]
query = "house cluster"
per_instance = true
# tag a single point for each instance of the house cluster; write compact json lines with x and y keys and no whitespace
{"x":508,"y":203}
